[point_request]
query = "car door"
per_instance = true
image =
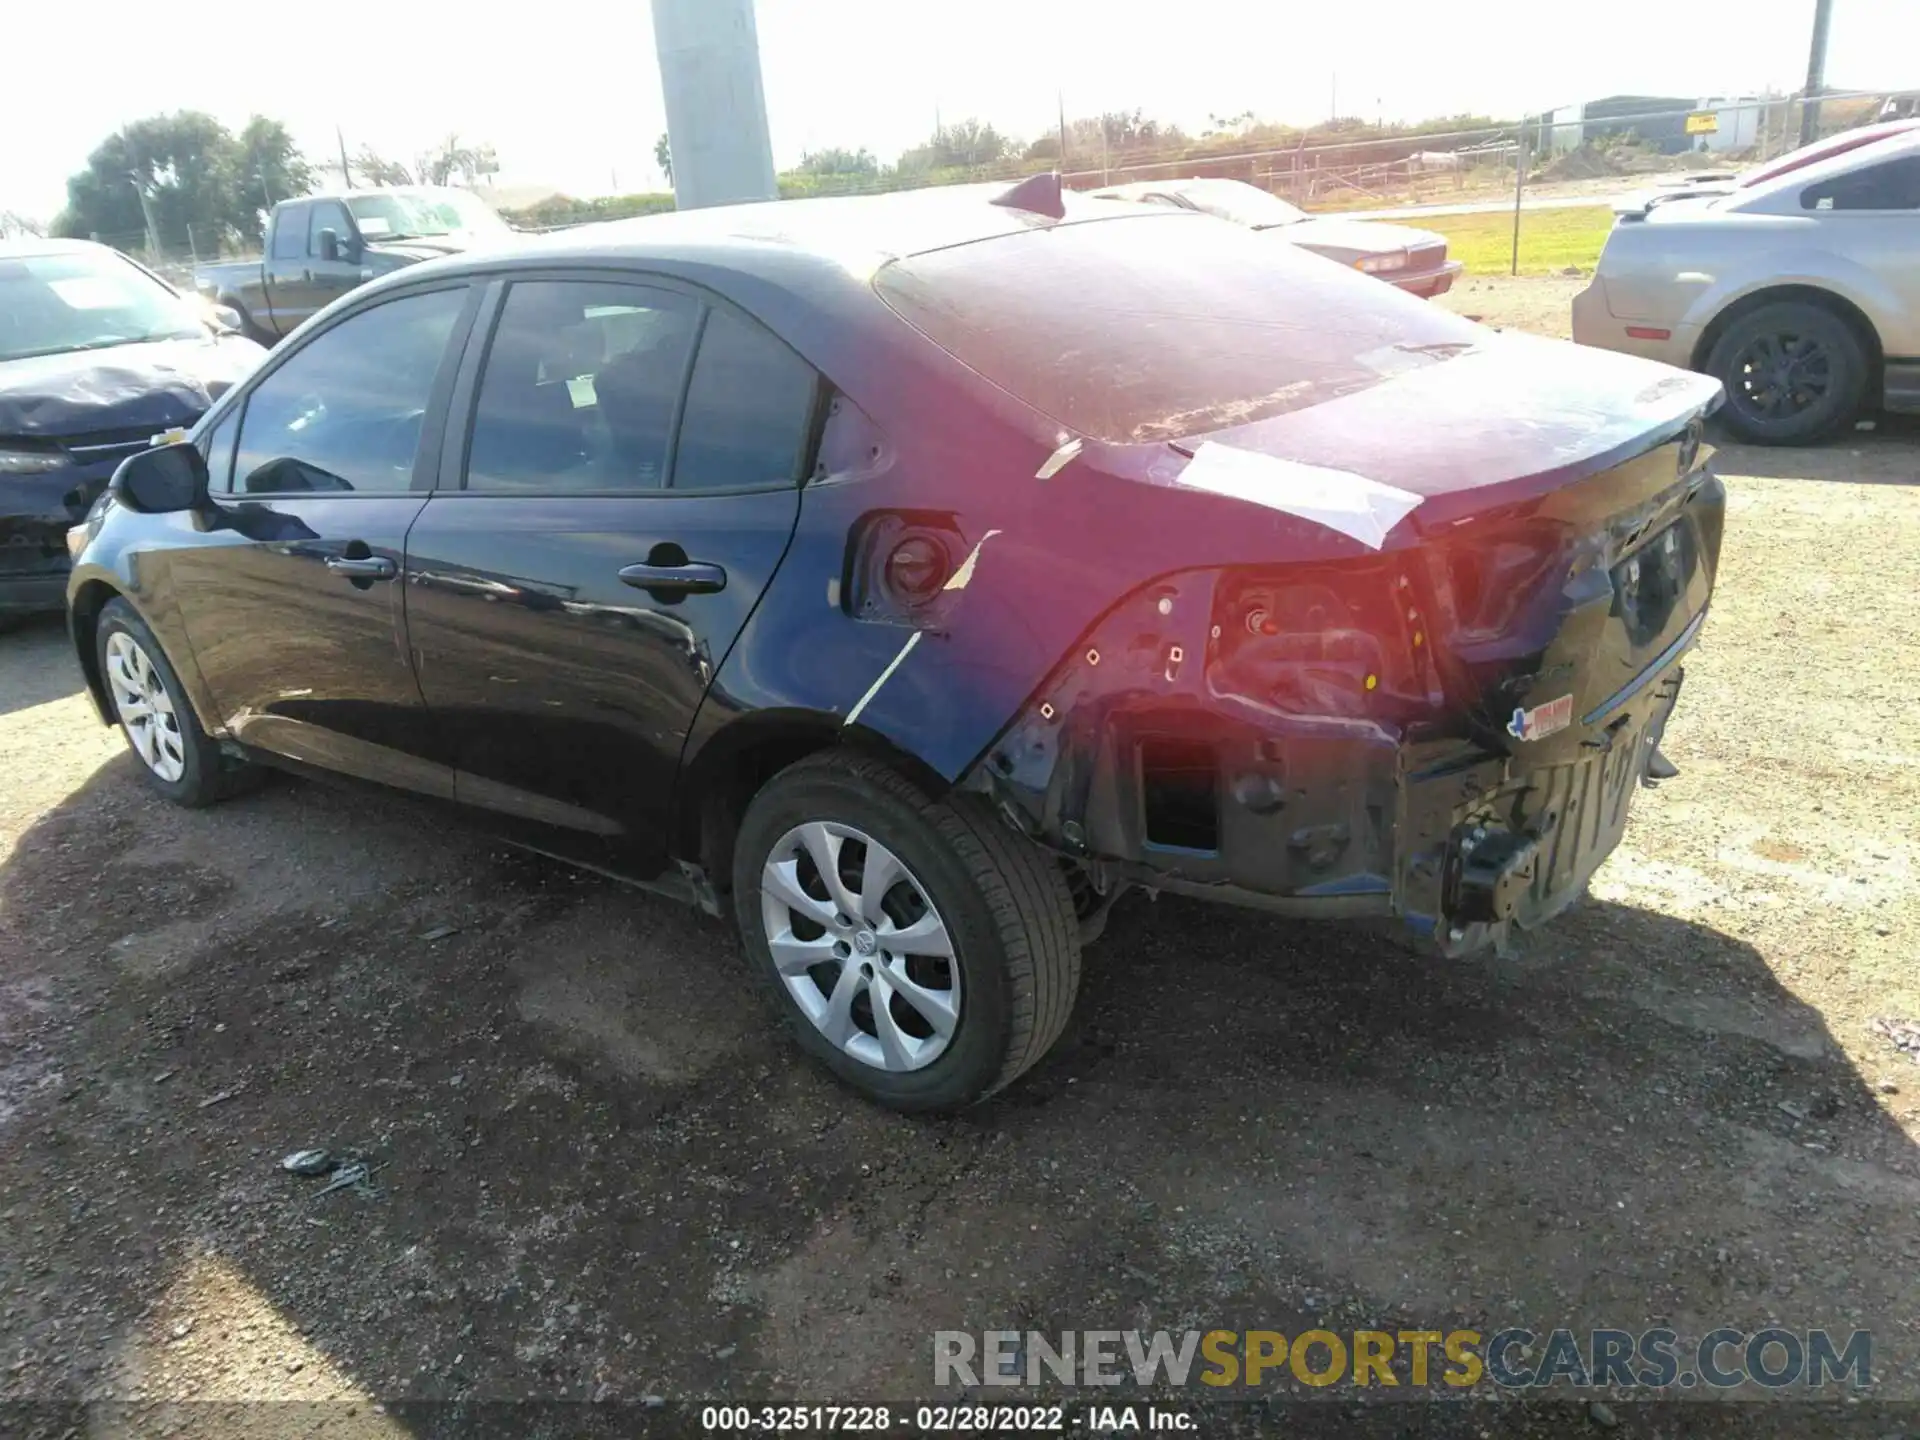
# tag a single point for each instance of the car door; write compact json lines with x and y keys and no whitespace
{"x":328,"y":279}
{"x":623,"y":491}
{"x":285,"y":268}
{"x":296,"y":619}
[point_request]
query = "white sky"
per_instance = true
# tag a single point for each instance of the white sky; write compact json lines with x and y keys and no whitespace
{"x":569,"y":94}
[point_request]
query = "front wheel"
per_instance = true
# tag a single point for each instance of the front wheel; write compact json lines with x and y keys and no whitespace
{"x":177,"y":759}
{"x":1795,"y":374}
{"x":919,"y":948}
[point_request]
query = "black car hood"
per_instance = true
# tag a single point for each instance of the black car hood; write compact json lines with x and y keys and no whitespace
{"x":158,"y":384}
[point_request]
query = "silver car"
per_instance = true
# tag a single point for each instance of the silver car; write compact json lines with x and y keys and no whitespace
{"x":1798,"y":287}
{"x":1414,"y":260}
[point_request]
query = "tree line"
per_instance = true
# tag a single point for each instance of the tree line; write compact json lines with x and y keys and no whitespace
{"x":184,"y":182}
{"x":188,"y":183}
{"x":972,"y":149}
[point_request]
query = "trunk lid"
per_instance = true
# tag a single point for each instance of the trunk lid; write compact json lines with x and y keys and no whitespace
{"x":1512,"y":419}
{"x":1563,"y":548}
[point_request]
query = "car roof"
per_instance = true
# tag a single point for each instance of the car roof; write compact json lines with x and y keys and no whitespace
{"x":857,"y":233}
{"x":1842,"y":162}
{"x":42,"y":245}
{"x":361,"y":192}
{"x":1173,"y":185}
{"x":1838,"y":144}
{"x":1136,"y":188}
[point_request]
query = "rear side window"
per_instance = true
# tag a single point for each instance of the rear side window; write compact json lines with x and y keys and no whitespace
{"x":1890,"y":185}
{"x":580,"y":387}
{"x":290,"y":233}
{"x":749,"y":410}
{"x":1160,"y":326}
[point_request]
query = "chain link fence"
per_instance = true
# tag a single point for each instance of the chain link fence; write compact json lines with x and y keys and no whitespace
{"x":1599,"y":149}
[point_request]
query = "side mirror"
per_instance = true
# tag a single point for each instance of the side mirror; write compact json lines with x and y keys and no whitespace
{"x":329,"y":245}
{"x":165,"y":481}
{"x":226,"y":319}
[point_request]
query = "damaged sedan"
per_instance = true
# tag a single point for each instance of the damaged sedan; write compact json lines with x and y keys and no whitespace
{"x":97,"y":357}
{"x":906,"y":577}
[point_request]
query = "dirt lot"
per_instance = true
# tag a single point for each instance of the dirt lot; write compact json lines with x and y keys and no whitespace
{"x":603,"y":1178}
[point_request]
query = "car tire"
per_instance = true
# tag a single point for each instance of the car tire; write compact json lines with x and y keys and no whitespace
{"x":999,"y":904}
{"x":175,"y":756}
{"x":1795,"y":373}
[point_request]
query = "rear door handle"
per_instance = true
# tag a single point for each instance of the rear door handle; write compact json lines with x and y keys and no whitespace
{"x":374,"y":567}
{"x":695,"y":577}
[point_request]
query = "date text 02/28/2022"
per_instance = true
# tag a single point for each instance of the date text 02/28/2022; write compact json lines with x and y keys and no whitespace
{"x":935,"y":1419}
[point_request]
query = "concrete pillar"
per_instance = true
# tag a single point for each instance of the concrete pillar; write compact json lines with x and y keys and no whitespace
{"x":716,"y":108}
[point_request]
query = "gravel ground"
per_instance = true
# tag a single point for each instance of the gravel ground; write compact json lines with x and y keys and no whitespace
{"x":602,"y":1177}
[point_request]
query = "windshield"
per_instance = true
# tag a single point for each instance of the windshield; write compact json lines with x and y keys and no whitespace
{"x":1241,"y":203}
{"x":396,"y":214}
{"x":1163,"y":325}
{"x":85,"y":300}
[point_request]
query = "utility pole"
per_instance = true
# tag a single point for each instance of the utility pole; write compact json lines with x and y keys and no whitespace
{"x":1061,"y":100}
{"x":346,"y":170}
{"x":709,"y":54}
{"x":1816,"y":72}
{"x":146,"y":214}
{"x":1333,"y":95}
{"x":1519,"y":185}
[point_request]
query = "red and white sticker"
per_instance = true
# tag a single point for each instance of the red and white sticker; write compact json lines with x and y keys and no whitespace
{"x":1542,"y":720}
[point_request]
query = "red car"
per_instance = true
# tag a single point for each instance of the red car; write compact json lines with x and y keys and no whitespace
{"x":906,"y":577}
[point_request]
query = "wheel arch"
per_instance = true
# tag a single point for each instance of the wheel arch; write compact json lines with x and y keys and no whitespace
{"x":88,"y":599}
{"x":716,"y":785}
{"x":1830,"y":300}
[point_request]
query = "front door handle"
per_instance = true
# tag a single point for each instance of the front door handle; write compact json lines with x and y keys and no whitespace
{"x":694,"y":577}
{"x":373,"y":567}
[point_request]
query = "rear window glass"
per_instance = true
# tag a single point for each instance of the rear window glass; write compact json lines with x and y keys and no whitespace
{"x":1163,"y":326}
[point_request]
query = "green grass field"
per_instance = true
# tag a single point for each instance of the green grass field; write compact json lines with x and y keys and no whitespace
{"x":1550,"y":240}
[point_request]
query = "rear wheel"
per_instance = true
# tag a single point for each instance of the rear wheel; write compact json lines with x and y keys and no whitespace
{"x":176,"y":757}
{"x":1795,"y":373}
{"x":920,"y":949}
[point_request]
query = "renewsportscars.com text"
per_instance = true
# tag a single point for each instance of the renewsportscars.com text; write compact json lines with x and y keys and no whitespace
{"x":1656,"y":1359}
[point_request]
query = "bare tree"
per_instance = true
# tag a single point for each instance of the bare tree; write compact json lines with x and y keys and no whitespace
{"x":375,"y":169}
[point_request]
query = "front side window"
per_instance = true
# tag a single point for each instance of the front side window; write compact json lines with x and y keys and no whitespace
{"x":327,"y":215}
{"x":749,"y":410}
{"x":1890,"y":185}
{"x":344,"y":413}
{"x":217,"y":446}
{"x":580,"y":389}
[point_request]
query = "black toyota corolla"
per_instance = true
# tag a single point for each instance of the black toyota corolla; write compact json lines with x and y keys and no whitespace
{"x":908,"y":576}
{"x":97,"y":357}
